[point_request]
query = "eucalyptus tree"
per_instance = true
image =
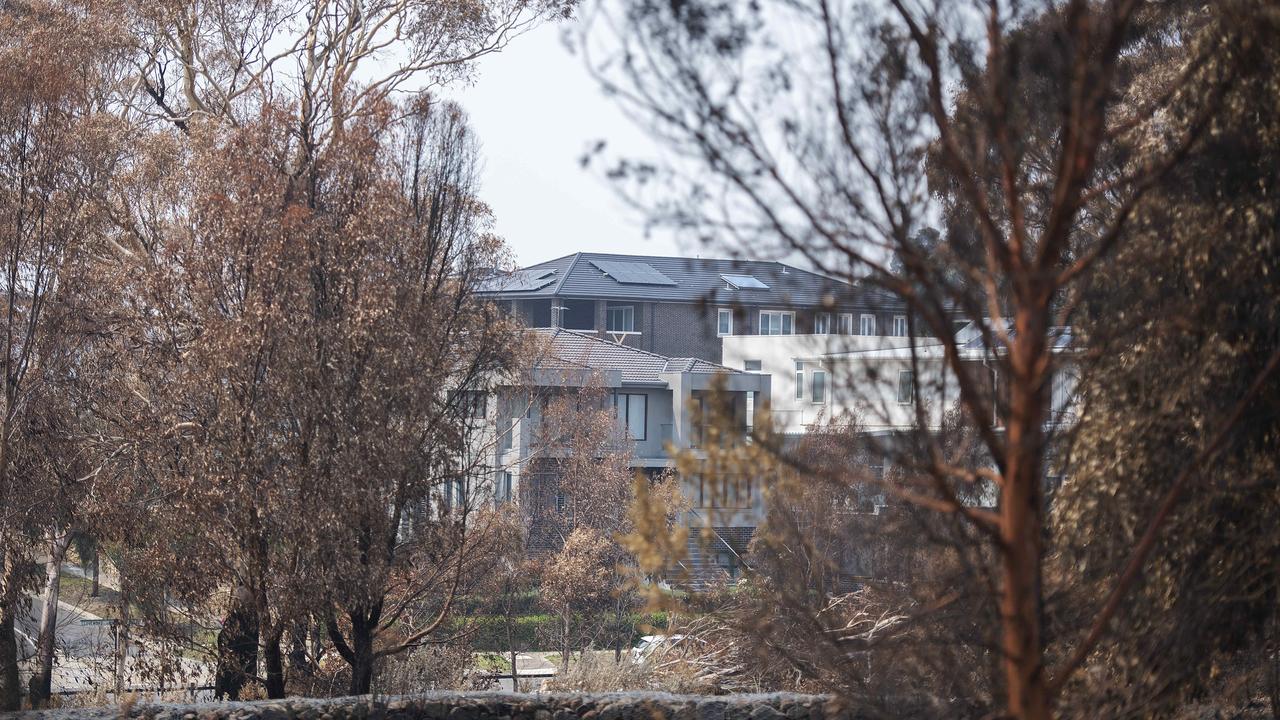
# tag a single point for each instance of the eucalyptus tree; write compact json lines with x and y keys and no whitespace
{"x":331,"y":62}
{"x":56,"y":151}
{"x":1018,"y":125}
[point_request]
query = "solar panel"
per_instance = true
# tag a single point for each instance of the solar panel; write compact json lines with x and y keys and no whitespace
{"x":520,"y":281}
{"x":632,"y":273}
{"x":744,"y":282}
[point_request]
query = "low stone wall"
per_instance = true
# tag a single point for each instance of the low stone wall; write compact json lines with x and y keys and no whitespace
{"x":488,"y":706}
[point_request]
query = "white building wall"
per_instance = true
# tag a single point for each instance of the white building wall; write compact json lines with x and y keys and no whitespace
{"x":863,"y":377}
{"x":861,"y":387}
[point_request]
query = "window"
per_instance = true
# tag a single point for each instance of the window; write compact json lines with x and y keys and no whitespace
{"x":822,"y":324}
{"x":622,"y":318}
{"x":751,"y":365}
{"x":632,"y":410}
{"x":724,"y":322}
{"x":868,"y":325}
{"x":577,"y":314}
{"x":777,"y":322}
{"x":799,"y":380}
{"x":906,"y":387}
{"x":508,"y":426}
{"x":455,"y":494}
{"x":473,"y":403}
{"x":819,"y":393}
{"x":846,"y":323}
{"x":502,"y":493}
{"x":900,"y":325}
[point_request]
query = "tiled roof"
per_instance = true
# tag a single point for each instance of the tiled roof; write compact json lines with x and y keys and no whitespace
{"x":568,"y":349}
{"x":606,"y":275}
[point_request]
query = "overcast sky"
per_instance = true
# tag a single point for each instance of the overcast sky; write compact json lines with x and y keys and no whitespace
{"x":536,"y":110}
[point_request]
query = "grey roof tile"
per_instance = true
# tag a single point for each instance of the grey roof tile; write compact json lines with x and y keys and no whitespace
{"x":570,"y":349}
{"x":695,"y":280}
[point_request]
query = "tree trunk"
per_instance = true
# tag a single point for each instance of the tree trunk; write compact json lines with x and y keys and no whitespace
{"x":10,"y":692}
{"x":1271,"y":651}
{"x":620,"y":624}
{"x":122,"y":639}
{"x":362,"y":658}
{"x":515,"y":673}
{"x":1020,"y":527}
{"x":299,"y":657}
{"x":565,"y":644}
{"x":93,"y":575}
{"x":237,"y":647}
{"x":42,"y":682}
{"x":274,"y":662}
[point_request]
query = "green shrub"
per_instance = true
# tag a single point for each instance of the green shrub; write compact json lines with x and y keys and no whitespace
{"x":488,"y":633}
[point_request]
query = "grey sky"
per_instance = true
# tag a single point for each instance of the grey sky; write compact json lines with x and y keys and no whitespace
{"x":536,"y":110}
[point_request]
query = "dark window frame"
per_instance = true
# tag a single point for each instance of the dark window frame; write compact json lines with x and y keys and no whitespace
{"x":910,"y":387}
{"x":626,"y":414}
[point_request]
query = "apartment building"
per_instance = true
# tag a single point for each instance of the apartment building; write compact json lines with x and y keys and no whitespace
{"x":685,"y":307}
{"x":661,"y":332}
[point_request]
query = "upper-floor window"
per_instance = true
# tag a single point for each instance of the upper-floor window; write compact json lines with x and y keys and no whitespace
{"x":622,"y":318}
{"x":777,"y":322}
{"x":724,"y":322}
{"x":751,"y":365}
{"x":799,"y":380}
{"x":822,"y":324}
{"x":473,"y":403}
{"x":632,"y":410}
{"x":906,"y":387}
{"x":900,"y":325}
{"x":576,"y":314}
{"x":846,"y":323}
{"x":502,"y":493}
{"x":819,"y":394}
{"x":867,"y":325}
{"x":507,"y":430}
{"x":455,"y":494}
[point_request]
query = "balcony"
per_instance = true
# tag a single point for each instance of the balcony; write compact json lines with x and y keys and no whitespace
{"x":720,"y":436}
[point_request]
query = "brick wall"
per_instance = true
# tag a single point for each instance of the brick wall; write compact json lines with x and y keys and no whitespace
{"x":685,"y":330}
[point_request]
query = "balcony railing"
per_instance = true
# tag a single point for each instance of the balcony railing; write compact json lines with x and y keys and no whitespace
{"x":721,"y":436}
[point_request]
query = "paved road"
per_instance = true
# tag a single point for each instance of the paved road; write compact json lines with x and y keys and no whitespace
{"x":74,"y":638}
{"x":86,"y":650}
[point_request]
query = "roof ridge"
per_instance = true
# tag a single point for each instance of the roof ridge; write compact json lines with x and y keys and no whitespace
{"x":688,"y":359}
{"x":606,"y":342}
{"x":567,"y":272}
{"x":696,"y":360}
{"x":695,"y":259}
{"x":582,"y":253}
